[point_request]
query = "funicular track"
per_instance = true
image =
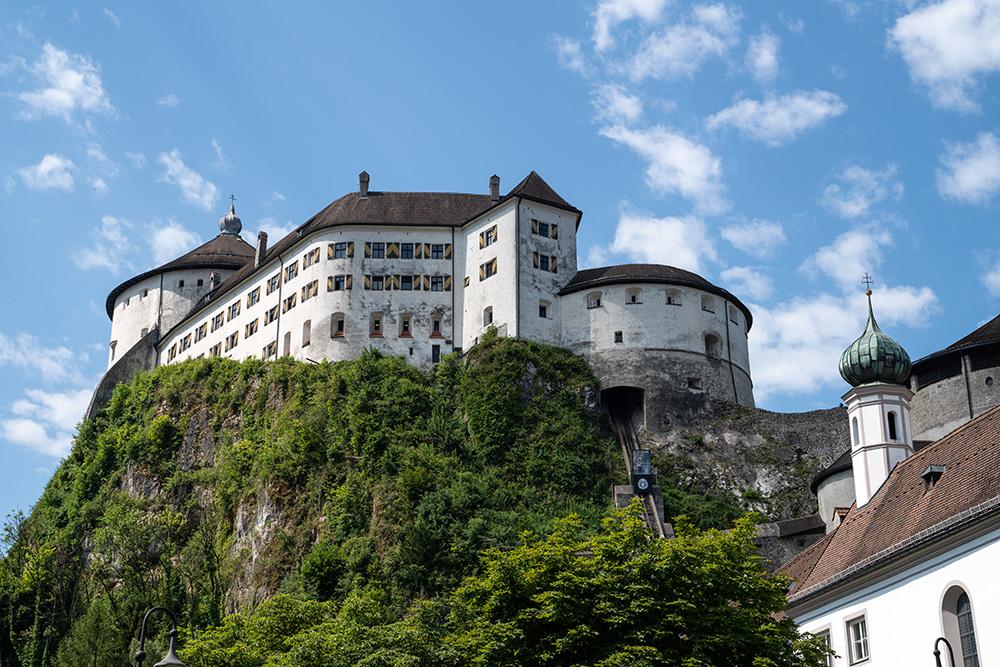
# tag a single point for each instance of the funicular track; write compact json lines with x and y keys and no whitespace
{"x":622,"y":421}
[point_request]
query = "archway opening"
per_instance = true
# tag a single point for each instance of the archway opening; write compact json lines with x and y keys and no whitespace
{"x":625,"y":403}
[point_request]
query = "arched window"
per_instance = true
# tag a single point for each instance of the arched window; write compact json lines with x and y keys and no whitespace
{"x":288,"y":344}
{"x":712,"y":345}
{"x":854,"y":430}
{"x":633,"y":295}
{"x":594,"y":300}
{"x":306,"y":333}
{"x":892,"y":425}
{"x":959,"y":626}
{"x":338,"y":326}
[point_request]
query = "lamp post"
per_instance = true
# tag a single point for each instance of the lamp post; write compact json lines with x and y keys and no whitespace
{"x":937,"y":651}
{"x":170,"y":659}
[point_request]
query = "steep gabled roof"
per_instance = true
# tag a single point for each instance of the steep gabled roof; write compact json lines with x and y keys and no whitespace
{"x":902,"y":515}
{"x":535,"y":188}
{"x":225,"y":251}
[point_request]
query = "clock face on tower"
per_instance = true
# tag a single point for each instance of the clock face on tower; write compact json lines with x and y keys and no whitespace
{"x":642,"y":484}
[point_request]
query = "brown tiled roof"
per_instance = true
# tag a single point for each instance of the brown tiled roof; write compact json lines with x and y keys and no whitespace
{"x":225,"y":251}
{"x":648,"y":273}
{"x":987,"y":334}
{"x":417,"y":209}
{"x":900,"y":515}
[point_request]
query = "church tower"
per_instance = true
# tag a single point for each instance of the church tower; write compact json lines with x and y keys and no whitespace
{"x":878,"y":406}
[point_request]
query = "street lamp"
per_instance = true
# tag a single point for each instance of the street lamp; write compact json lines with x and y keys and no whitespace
{"x":937,"y":651}
{"x":170,"y":659}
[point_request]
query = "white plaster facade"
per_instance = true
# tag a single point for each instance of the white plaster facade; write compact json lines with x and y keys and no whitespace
{"x":879,"y":415}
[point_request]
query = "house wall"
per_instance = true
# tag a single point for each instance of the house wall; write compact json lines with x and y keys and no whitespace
{"x":904,"y":612}
{"x":835,"y":491}
{"x":498,"y":291}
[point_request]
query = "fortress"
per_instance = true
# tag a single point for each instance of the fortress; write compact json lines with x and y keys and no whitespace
{"x":420,"y":275}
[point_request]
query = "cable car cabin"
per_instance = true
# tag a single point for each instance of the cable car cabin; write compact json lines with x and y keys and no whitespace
{"x":643,"y":476}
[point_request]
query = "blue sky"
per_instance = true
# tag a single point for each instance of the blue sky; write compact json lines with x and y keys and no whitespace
{"x":779,"y":149}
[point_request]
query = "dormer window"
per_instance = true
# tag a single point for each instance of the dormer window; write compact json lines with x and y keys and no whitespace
{"x":931,"y":476}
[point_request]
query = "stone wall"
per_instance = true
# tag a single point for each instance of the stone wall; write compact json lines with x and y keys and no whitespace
{"x":140,"y":357}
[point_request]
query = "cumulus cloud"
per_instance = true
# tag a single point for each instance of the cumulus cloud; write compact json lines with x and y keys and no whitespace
{"x":762,"y":57}
{"x":275,"y":229}
{"x":760,"y":238}
{"x":170,"y":101}
{"x":970,"y":172}
{"x":27,"y":352}
{"x":194,"y":188}
{"x":857,"y":190}
{"x":777,"y":119}
{"x":170,"y":240}
{"x":569,"y":54}
{"x":679,"y":50}
{"x":610,"y":13}
{"x":45,"y":421}
{"x":109,"y":246}
{"x":33,"y":435}
{"x":676,"y":165}
{"x":53,"y":172}
{"x":111,"y":16}
{"x":850,"y":256}
{"x":613,"y":104}
{"x":746,"y":282}
{"x":948,"y":46}
{"x":678,"y":241}
{"x":68,"y":83}
{"x":100,"y":161}
{"x":99,"y":186}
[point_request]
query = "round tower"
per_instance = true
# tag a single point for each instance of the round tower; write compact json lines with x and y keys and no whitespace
{"x":878,"y":406}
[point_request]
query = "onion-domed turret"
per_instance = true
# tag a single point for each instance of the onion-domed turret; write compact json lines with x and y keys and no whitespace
{"x":874,"y":357}
{"x":230,"y":223}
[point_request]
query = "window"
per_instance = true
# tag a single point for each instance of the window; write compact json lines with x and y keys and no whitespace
{"x":891,"y":419}
{"x":337,"y":327}
{"x":544,"y":229}
{"x":291,"y":270}
{"x":287,"y":343}
{"x":712,"y":346}
{"x":708,"y":304}
{"x":619,"y":337}
{"x":234,"y":311}
{"x":406,"y":283}
{"x":231,"y":340}
{"x":270,"y":350}
{"x":967,"y":631}
{"x":405,"y":326}
{"x":145,"y":293}
{"x":271,"y":315}
{"x":825,"y":636}
{"x":436,"y":326}
{"x":180,"y":283}
{"x":376,"y":325}
{"x":378,"y":282}
{"x":336,"y":283}
{"x":633,"y":296}
{"x":543,"y":309}
{"x":201,"y":282}
{"x":378,"y":250}
{"x":185,"y":342}
{"x":488,"y":237}
{"x":437,"y":251}
{"x":594,"y":300}
{"x":253,"y":297}
{"x":437,"y":283}
{"x":310,"y":290}
{"x":288,"y":303}
{"x":487,"y":316}
{"x":145,"y":330}
{"x":172,"y":354}
{"x":218,"y":321}
{"x":310,"y":258}
{"x":201,"y":332}
{"x":694,"y":383}
{"x":857,"y":639}
{"x":854,"y":431}
{"x":273,"y":283}
{"x":251,"y":328}
{"x":435,"y":353}
{"x":338,"y":250}
{"x":215,"y":350}
{"x":406,"y":251}
{"x":488,"y":269}
{"x":114,"y":344}
{"x":306,"y":333}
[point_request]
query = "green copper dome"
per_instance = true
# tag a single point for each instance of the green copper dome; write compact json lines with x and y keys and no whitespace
{"x":874,"y":357}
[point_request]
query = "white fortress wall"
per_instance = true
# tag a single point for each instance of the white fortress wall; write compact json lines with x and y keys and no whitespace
{"x":499,"y":291}
{"x":539,"y":287}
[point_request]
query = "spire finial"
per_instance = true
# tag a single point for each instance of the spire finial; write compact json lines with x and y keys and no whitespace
{"x":232,"y":205}
{"x":867,"y":280}
{"x":230,"y":223}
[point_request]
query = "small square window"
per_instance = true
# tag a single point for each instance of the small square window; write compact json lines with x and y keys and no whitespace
{"x":406,"y":251}
{"x":437,"y":251}
{"x":201,"y":282}
{"x":378,"y":282}
{"x":543,"y":310}
{"x":180,"y":283}
{"x":378,"y":250}
{"x":619,"y":337}
{"x":406,"y":283}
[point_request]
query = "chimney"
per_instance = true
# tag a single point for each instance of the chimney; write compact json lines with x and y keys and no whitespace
{"x":258,"y":256}
{"x":495,"y":187}
{"x":363,"y":178}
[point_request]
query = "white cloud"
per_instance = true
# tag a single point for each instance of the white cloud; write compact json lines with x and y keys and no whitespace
{"x":69,"y":83}
{"x":793,"y":23}
{"x":99,"y":186}
{"x":8,"y":184}
{"x":171,"y":240}
{"x":222,"y":163}
{"x":115,"y":21}
{"x":850,"y":256}
{"x":744,"y":282}
{"x":778,"y":119}
{"x":62,"y":409}
{"x":948,"y":46}
{"x":569,"y":54}
{"x":676,"y":165}
{"x":137,"y":158}
{"x":610,"y":13}
{"x":759,"y":238}
{"x":991,"y":279}
{"x":97,"y":157}
{"x":33,"y":435}
{"x":858,"y":189}
{"x":970,"y":172}
{"x":677,"y":241}
{"x":194,"y":188}
{"x":53,"y":364}
{"x":681,"y":49}
{"x":170,"y":101}
{"x":614,"y":104}
{"x":274,"y":229}
{"x":762,"y":57}
{"x":54,"y":172}
{"x":109,"y":247}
